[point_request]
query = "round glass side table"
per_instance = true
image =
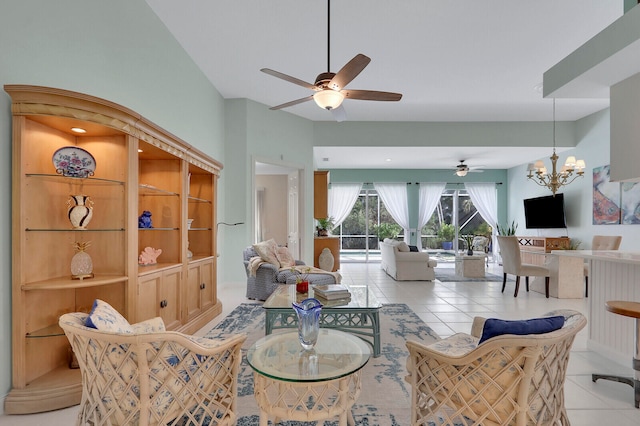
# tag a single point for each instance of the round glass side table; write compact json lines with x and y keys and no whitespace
{"x":294,"y":384}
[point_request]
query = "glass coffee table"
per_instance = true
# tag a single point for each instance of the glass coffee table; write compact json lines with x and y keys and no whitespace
{"x":293,"y":384}
{"x":359,"y":315}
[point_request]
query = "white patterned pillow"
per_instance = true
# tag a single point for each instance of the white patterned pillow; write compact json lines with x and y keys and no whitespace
{"x":267,"y":251}
{"x":153,"y":325}
{"x":285,"y":258}
{"x":104,"y":317}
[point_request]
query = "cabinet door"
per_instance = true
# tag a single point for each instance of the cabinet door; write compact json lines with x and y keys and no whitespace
{"x":208,"y":290}
{"x":158,"y":296}
{"x":320,"y":193}
{"x":169,"y":296}
{"x":201,"y":294}
{"x":193,"y":291}
{"x":148,"y":297}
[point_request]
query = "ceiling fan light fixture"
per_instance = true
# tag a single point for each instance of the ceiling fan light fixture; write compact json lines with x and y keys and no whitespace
{"x":328,"y":99}
{"x":461,"y":172}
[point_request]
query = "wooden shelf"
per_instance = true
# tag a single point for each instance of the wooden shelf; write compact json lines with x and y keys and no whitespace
{"x":66,"y":283}
{"x":60,"y":387}
{"x":140,"y":167}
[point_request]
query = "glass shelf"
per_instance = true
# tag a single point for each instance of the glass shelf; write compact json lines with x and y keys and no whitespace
{"x":87,"y":181}
{"x":150,"y":190}
{"x":74,"y":230}
{"x":158,"y":229}
{"x":199,"y":229}
{"x":50,"y":331}
{"x":198,"y":200}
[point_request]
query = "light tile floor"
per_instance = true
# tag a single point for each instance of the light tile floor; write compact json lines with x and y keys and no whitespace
{"x":449,"y":308}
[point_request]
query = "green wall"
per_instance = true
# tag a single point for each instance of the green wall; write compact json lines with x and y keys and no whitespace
{"x":117,"y":50}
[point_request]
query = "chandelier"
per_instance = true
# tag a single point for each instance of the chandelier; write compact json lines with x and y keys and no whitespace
{"x":571,"y":170}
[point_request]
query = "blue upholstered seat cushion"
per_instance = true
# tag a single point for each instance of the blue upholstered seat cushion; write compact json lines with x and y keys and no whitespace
{"x":104,"y":317}
{"x":496,"y":327}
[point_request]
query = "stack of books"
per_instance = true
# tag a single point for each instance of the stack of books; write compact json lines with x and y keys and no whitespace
{"x":331,"y":291}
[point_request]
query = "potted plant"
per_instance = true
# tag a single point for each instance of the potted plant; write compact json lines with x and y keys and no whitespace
{"x":446,"y":233}
{"x":302,"y":278}
{"x":387,"y":230}
{"x":509,"y":230}
{"x":325,"y":226}
{"x":468,"y":241}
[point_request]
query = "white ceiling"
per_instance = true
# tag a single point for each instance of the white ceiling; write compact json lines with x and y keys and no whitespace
{"x":464,"y":60}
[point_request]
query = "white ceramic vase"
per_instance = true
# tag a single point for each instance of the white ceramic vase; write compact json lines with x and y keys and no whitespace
{"x":81,"y":211}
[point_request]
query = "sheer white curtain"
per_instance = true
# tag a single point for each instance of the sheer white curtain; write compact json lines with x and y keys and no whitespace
{"x":485,"y":198}
{"x":394,"y":197}
{"x":342,"y":197}
{"x":429,"y":197}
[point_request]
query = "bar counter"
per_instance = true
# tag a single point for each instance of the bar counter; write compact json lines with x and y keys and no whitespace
{"x":614,"y":275}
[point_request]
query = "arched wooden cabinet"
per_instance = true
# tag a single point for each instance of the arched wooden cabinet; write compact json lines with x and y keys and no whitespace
{"x":138,"y":167}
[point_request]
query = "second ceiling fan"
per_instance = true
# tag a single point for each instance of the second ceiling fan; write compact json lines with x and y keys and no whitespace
{"x":329,"y":87}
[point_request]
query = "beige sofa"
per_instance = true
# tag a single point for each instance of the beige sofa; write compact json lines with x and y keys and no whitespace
{"x":404,"y":265}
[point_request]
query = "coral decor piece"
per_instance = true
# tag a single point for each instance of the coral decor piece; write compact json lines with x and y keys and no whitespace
{"x":148,"y":256}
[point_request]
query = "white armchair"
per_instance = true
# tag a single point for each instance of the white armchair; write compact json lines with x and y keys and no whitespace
{"x":506,"y":380}
{"x":153,"y":377}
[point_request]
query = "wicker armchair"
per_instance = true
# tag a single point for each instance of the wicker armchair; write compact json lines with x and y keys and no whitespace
{"x":153,"y":376}
{"x":506,"y":380}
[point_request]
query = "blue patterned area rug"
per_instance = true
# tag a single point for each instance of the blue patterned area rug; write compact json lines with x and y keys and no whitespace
{"x":385,"y":399}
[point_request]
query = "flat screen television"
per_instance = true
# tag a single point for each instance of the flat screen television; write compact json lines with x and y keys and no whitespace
{"x":545,"y":212}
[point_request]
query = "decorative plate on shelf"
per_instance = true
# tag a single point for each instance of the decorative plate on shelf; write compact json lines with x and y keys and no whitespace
{"x":74,"y":162}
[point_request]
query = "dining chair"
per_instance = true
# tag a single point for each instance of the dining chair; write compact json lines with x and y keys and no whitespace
{"x":600,"y":242}
{"x":512,"y":264}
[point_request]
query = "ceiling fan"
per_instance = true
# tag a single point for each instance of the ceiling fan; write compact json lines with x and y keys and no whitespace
{"x":462,"y":169}
{"x":329,"y":87}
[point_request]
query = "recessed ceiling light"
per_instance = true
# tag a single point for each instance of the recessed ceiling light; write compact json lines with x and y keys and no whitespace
{"x":388,"y":160}
{"x":78,"y":130}
{"x":538,"y":87}
{"x":139,"y":150}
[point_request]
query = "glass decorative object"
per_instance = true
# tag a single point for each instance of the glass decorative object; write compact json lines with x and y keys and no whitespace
{"x":308,"y":312}
{"x":81,"y":263}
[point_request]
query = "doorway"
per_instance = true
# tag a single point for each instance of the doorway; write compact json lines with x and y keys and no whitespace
{"x":277,"y":205}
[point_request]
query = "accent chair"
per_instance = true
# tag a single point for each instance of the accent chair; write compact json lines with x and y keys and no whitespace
{"x":506,"y":380}
{"x":512,"y":264}
{"x":145,"y":375}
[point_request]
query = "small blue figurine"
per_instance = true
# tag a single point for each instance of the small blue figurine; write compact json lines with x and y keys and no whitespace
{"x":144,"y":221}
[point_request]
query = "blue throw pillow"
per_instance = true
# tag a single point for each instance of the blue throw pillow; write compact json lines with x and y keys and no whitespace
{"x":496,"y":327}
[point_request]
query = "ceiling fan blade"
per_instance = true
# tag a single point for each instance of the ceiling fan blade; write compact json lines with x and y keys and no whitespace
{"x":292,"y":103}
{"x":339,"y":114}
{"x":371,"y":95}
{"x":349,"y":71}
{"x":289,"y":78}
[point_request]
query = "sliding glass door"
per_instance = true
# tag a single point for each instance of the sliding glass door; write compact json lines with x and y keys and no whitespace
{"x":454,"y":216}
{"x":359,"y":232}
